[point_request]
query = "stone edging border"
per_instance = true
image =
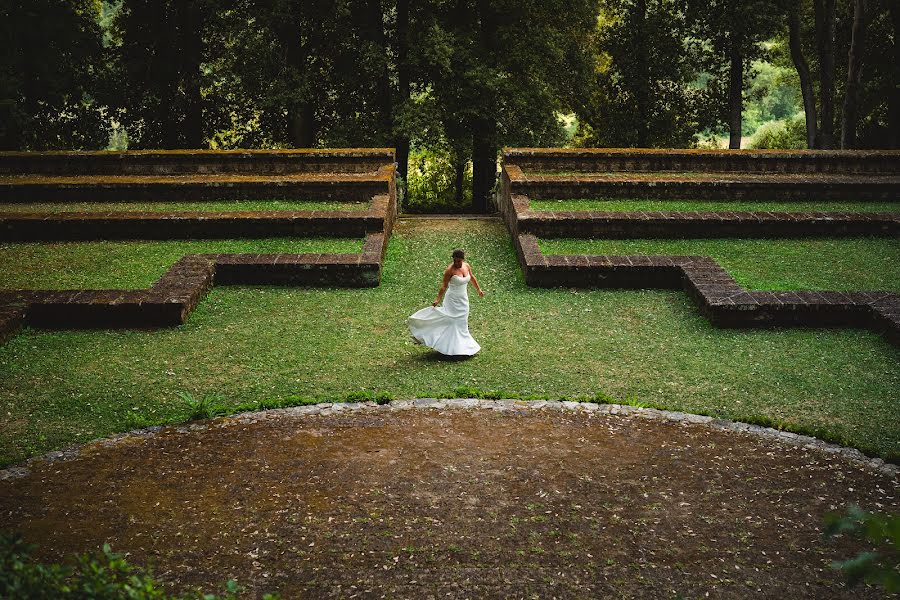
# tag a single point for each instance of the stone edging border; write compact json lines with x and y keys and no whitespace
{"x":851,"y":454}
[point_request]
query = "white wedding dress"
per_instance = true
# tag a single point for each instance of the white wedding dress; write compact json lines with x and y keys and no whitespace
{"x":446,"y":328}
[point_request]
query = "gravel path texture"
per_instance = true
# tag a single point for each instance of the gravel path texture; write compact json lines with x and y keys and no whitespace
{"x":459,"y":499}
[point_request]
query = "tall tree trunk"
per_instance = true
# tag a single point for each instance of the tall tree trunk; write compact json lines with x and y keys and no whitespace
{"x":894,"y":97}
{"x":459,"y":178}
{"x":302,"y":126}
{"x":854,"y":64}
{"x":484,"y":138}
{"x":375,"y":27}
{"x":735,"y":95}
{"x":642,"y":89}
{"x":192,"y":45}
{"x":301,"y":112}
{"x":806,"y":88}
{"x":825,"y":31}
{"x":484,"y":164}
{"x":401,"y":142}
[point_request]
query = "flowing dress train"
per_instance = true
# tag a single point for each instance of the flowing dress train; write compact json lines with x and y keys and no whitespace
{"x":446,"y":328}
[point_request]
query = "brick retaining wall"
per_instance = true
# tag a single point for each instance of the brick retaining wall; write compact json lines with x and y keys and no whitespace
{"x":182,"y":162}
{"x":881,"y":162}
{"x":194,"y":224}
{"x":720,"y":298}
{"x":366,"y":175}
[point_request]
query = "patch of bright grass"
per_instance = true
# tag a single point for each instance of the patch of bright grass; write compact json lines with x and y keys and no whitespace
{"x":271,"y":346}
{"x":131,"y":264}
{"x":224,"y":205}
{"x":626,"y":205}
{"x":841,"y":264}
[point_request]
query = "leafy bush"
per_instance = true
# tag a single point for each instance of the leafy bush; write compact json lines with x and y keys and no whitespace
{"x":207,"y":407}
{"x":100,"y":576}
{"x":431,"y":184}
{"x":878,"y":567}
{"x":786,"y":134}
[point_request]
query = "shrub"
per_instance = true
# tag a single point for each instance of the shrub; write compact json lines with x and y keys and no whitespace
{"x":430,"y":184}
{"x":104,"y":575}
{"x":207,"y":407}
{"x":786,"y":134}
{"x":878,"y":567}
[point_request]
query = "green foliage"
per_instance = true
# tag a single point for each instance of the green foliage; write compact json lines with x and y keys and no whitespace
{"x":731,"y":35}
{"x":643,"y":92}
{"x":773,"y":95}
{"x":51,"y":74}
{"x":205,"y":407}
{"x":788,"y":133}
{"x":103,"y":575}
{"x":437,"y":183}
{"x":876,"y":567}
{"x":876,"y":127}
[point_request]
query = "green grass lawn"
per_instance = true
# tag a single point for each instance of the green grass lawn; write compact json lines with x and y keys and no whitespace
{"x":626,"y":205}
{"x":840,"y":264}
{"x":254,"y":344}
{"x":131,"y":264}
{"x":224,"y":205}
{"x":616,"y":205}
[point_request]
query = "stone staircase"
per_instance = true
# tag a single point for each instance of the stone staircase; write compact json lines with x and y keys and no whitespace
{"x":159,"y":176}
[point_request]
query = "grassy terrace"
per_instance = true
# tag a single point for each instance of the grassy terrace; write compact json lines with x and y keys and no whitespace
{"x":225,"y":205}
{"x":131,"y":264}
{"x":261,"y":344}
{"x":601,"y":204}
{"x":667,"y":174}
{"x":784,"y":264}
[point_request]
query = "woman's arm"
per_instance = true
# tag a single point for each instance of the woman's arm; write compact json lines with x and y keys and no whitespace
{"x":475,"y":282}
{"x":444,"y":284}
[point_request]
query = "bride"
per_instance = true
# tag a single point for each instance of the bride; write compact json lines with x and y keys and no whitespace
{"x":446,"y":328}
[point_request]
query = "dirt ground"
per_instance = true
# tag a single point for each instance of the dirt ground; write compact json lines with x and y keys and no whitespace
{"x":456,"y":503}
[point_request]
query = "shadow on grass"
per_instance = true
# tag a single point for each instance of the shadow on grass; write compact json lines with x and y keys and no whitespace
{"x":433,"y":356}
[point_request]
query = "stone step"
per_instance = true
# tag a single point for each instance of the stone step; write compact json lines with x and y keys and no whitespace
{"x":178,"y":162}
{"x":707,"y":186}
{"x":884,"y":162}
{"x":186,"y":225}
{"x":576,"y":224}
{"x":149,"y":188}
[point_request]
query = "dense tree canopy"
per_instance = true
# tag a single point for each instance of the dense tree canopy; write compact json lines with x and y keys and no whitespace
{"x":459,"y":78}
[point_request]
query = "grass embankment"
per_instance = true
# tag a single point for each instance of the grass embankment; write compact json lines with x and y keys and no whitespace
{"x":132,"y":264}
{"x":224,"y":205}
{"x":281,"y":345}
{"x":627,"y":205}
{"x":840,"y":264}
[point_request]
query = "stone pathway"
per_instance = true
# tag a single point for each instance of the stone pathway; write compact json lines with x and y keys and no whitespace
{"x":459,"y":498}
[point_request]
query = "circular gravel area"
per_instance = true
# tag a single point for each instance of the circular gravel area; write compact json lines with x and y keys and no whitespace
{"x":437,"y":499}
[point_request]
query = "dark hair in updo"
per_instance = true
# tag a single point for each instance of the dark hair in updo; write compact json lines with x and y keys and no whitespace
{"x":459,"y":253}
